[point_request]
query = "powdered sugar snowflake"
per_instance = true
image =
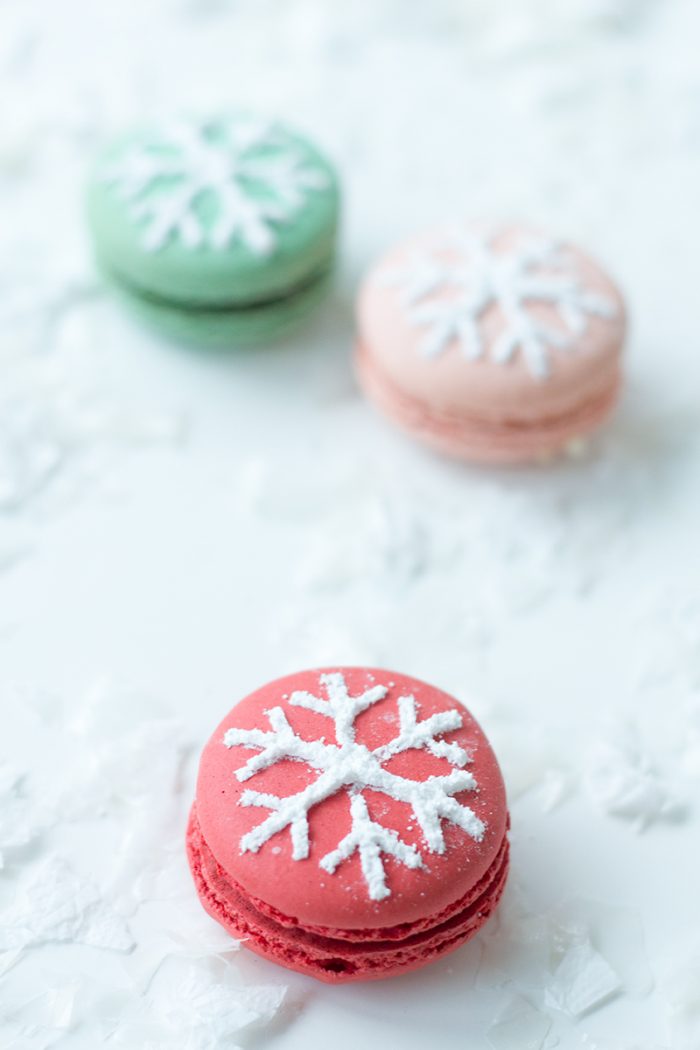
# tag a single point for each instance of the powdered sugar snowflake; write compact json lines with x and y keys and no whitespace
{"x":209,"y":184}
{"x":477,"y":278}
{"x":350,"y":767}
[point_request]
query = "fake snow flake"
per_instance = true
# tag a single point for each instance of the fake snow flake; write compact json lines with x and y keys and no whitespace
{"x":449,"y":290}
{"x":377,"y":540}
{"x":213,"y":183}
{"x":574,"y":958}
{"x":614,"y":932}
{"x":625,"y":783}
{"x":58,"y":905}
{"x":683,"y":1006}
{"x":582,"y":981}
{"x":19,"y":825}
{"x":349,"y":766}
{"x":202,"y":999}
{"x":42,"y":1019}
{"x":518,"y":1026}
{"x":133,"y":775}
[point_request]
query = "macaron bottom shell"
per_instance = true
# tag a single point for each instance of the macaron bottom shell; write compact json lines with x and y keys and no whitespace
{"x":506,"y":443}
{"x":337,"y":956}
{"x":225,"y":326}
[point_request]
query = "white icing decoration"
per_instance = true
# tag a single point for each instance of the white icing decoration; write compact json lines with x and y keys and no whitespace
{"x":251,"y":169}
{"x":349,"y":766}
{"x":478,"y":278}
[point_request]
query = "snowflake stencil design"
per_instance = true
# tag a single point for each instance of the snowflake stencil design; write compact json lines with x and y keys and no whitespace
{"x":535,"y":270}
{"x":249,"y":172}
{"x":350,"y":767}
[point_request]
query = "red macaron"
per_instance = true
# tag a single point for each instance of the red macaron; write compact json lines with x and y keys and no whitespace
{"x":349,"y":823}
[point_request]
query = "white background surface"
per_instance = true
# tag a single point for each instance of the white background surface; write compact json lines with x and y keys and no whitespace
{"x":185,"y":526}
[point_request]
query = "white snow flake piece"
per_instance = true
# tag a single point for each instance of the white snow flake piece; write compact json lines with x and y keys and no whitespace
{"x":517,"y":947}
{"x":18,"y":823}
{"x":43,"y":1018}
{"x":249,"y":171}
{"x":58,"y":905}
{"x":682,"y":994}
{"x":625,"y":783}
{"x":349,"y":766}
{"x":202,"y":999}
{"x":574,"y":958}
{"x":449,"y":295}
{"x":615,"y":932}
{"x":518,"y":1026}
{"x":134,"y":777}
{"x":582,"y":980}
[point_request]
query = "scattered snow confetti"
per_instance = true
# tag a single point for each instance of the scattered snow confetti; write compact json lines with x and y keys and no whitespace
{"x":315,"y":642}
{"x":134,"y":773}
{"x":582,"y":981}
{"x":42,"y":1019}
{"x":39,"y":291}
{"x":518,"y":1026}
{"x":625,"y":782}
{"x":573,"y":958}
{"x":19,"y":823}
{"x":533,"y":759}
{"x":12,"y":554}
{"x":55,"y":904}
{"x":203,"y":1000}
{"x":615,"y":931}
{"x":376,"y":540}
{"x":690,"y":755}
{"x":517,"y":947}
{"x":589,"y":1042}
{"x":683,"y":1006}
{"x":53,"y":432}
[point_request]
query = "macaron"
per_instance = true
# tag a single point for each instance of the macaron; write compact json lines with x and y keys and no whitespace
{"x":491,"y":343}
{"x":219,"y":232}
{"x":349,"y":823}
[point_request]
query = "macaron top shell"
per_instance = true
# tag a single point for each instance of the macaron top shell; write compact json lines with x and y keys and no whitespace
{"x":218,"y":212}
{"x":391,"y":819}
{"x":502,"y":323}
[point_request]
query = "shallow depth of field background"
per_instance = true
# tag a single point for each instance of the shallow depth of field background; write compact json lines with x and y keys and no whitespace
{"x":176,"y":527}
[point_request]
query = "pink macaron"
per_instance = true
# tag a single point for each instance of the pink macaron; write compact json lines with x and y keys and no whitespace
{"x":349,"y":823}
{"x":496,"y":344}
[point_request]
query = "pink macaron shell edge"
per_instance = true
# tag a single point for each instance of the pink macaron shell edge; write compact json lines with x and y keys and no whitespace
{"x":483,"y":442}
{"x":481,"y":389}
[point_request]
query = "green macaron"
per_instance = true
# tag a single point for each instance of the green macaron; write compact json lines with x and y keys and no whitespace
{"x":217,"y":232}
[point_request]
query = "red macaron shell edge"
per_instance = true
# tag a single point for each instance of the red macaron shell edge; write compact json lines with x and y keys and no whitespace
{"x":299,"y":889}
{"x":338,"y":960}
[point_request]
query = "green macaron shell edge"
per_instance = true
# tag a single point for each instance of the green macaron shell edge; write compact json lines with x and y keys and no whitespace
{"x":205,"y":275}
{"x":226,"y":328}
